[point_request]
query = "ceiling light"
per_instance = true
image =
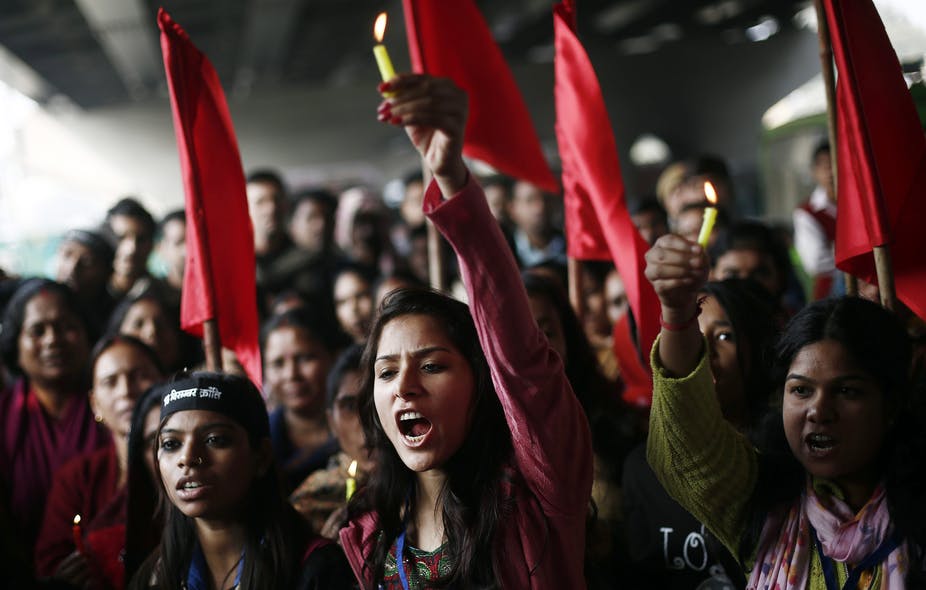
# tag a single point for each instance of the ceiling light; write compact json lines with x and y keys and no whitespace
{"x":765,"y":28}
{"x":649,"y":150}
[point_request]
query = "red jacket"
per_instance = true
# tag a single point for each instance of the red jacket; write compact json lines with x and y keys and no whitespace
{"x":543,"y":539}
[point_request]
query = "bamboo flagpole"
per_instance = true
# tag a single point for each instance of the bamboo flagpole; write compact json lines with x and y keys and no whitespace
{"x":829,"y":84}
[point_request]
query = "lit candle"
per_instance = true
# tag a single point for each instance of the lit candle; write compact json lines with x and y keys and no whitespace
{"x":78,"y":534}
{"x":351,"y":481}
{"x":710,"y":215}
{"x":379,"y":50}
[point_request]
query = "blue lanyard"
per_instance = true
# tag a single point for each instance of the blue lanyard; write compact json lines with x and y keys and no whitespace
{"x":400,"y":561}
{"x":873,"y":559}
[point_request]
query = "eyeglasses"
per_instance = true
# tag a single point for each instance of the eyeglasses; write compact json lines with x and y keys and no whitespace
{"x":346,"y":403}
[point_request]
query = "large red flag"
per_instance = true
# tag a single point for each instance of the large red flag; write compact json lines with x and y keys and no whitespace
{"x":881,"y":154}
{"x":592,"y":175}
{"x":450,"y":38}
{"x":219,"y":279}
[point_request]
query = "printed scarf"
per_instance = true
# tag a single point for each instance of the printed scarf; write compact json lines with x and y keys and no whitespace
{"x":786,"y":547}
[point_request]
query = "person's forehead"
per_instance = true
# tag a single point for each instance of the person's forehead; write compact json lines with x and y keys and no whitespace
{"x":124,"y":225}
{"x":77,"y":249}
{"x":351,"y":283}
{"x":175,"y":226}
{"x":261,"y":189}
{"x":350,"y":381}
{"x":413,"y":332}
{"x":309,"y":207}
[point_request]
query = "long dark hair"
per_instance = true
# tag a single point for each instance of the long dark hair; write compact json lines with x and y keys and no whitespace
{"x":472,"y":499}
{"x":274,"y":532}
{"x":751,"y":310}
{"x":877,"y":342}
{"x":143,"y":520}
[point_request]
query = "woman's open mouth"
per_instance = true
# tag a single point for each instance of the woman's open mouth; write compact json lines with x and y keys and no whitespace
{"x":189,"y":489}
{"x":820,"y":444}
{"x":413,"y":426}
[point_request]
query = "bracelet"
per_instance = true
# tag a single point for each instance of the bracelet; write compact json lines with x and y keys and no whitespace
{"x":681,"y":327}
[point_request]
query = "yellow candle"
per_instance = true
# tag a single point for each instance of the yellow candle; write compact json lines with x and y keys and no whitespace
{"x":351,"y":481}
{"x":710,"y":215}
{"x":379,"y":51}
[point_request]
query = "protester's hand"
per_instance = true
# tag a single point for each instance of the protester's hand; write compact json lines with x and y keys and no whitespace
{"x":75,"y":571}
{"x":433,"y":112}
{"x":677,"y":268}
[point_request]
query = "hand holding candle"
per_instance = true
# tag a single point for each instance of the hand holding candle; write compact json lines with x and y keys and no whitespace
{"x":78,"y":534}
{"x":710,"y":215}
{"x":379,"y":50}
{"x":351,"y":479}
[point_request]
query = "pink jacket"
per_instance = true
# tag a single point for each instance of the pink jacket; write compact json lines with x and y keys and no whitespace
{"x":543,"y":539}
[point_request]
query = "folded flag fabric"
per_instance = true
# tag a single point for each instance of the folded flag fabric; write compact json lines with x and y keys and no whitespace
{"x":219,"y":280}
{"x":450,"y":38}
{"x":881,"y":152}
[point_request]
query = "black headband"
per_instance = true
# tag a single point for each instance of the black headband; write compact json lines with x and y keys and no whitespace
{"x":229,"y":395}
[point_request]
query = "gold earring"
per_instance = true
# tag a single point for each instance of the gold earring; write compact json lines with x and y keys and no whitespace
{"x":98,"y":418}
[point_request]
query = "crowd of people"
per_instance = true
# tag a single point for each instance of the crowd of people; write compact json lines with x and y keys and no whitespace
{"x":408,"y":439}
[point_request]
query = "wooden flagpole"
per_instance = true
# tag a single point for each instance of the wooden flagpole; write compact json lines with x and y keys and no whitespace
{"x":882,"y":254}
{"x":436,"y":263}
{"x":829,"y":84}
{"x":212,"y":345}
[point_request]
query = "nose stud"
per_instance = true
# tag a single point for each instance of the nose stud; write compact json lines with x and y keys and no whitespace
{"x":198,"y":461}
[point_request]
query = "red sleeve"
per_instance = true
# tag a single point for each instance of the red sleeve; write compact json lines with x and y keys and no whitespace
{"x":550,"y":432}
{"x":66,"y":498}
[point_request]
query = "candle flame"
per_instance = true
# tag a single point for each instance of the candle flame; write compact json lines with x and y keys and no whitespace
{"x":352,"y":470}
{"x":76,"y":519}
{"x":379,"y":27}
{"x":710,"y":193}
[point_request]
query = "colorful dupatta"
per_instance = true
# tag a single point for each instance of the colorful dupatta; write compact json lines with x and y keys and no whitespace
{"x":786,"y":546}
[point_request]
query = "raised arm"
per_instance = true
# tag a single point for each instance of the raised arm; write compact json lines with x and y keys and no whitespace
{"x":549,"y":429}
{"x":700,"y":459}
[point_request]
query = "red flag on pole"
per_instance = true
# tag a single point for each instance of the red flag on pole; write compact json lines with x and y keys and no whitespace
{"x":450,"y":38}
{"x":881,"y":153}
{"x":219,"y":281}
{"x":591,"y":175}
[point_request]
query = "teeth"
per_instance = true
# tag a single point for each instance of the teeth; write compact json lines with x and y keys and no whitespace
{"x":414,"y":438}
{"x":191,"y":485}
{"x":820,"y":440}
{"x":410,"y":416}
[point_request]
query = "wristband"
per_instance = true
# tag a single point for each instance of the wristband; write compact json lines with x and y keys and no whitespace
{"x":682,"y":326}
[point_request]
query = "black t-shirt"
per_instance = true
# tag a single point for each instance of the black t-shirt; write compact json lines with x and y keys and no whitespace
{"x":668,"y":547}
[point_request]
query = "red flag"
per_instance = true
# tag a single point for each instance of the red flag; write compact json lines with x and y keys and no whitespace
{"x":450,"y":38}
{"x":219,"y":281}
{"x":591,"y":174}
{"x":881,"y":154}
